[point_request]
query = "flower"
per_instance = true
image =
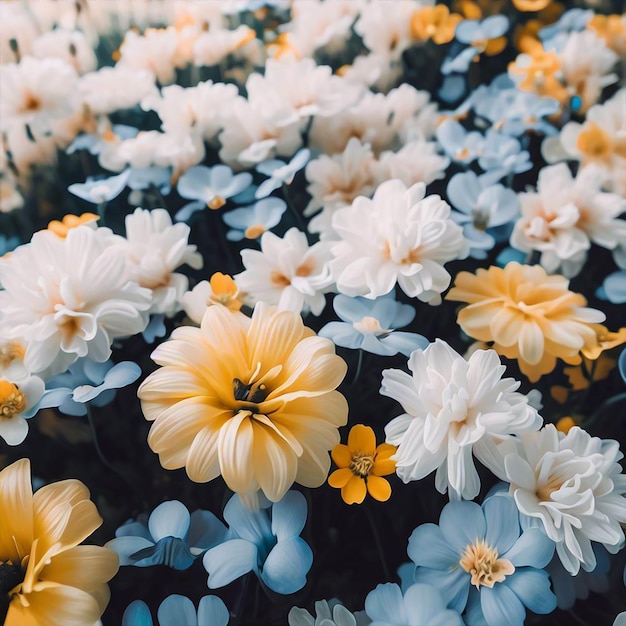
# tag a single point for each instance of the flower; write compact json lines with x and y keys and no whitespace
{"x":61,"y":227}
{"x":327,"y":614}
{"x":453,"y":407}
{"x":19,"y":401}
{"x":436,"y":23}
{"x":572,"y":486}
{"x":176,"y":610}
{"x":209,"y":187}
{"x":369,"y":325}
{"x":483,"y":210}
{"x":620,"y":620}
{"x":69,"y":298}
{"x":502,"y":155}
{"x":88,"y":381}
{"x":269,"y":544}
{"x":170,"y":536}
{"x":399,"y":236}
{"x":567,"y":215}
{"x":102,"y":190}
{"x":257,"y":405}
{"x":460,"y":145}
{"x":279,"y":172}
{"x":361,"y":466}
{"x":47,"y":576}
{"x":287,"y":273}
{"x":529,"y":315}
{"x":252,"y":221}
{"x":154,"y":248}
{"x":614,"y":287}
{"x":484,"y":548}
{"x":419,"y":605}
{"x":220,"y":289}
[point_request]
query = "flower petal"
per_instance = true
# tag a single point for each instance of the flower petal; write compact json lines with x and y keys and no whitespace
{"x":229,"y":561}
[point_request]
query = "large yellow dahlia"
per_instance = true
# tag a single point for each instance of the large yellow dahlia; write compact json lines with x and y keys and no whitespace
{"x":46,"y":578}
{"x":252,"y":400}
{"x":527,"y":314}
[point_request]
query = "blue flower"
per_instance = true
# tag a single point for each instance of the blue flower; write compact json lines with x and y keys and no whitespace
{"x":88,"y":381}
{"x":209,"y":187}
{"x":460,"y":145}
{"x":327,"y":614}
{"x":99,"y":191}
{"x":502,"y":155}
{"x":485,"y":547}
{"x":96,"y":143}
{"x":280,"y":173}
{"x":621,"y":366}
{"x":420,"y":605}
{"x":369,"y":324}
{"x":252,"y":221}
{"x":485,"y":210}
{"x":178,"y":610}
{"x":570,"y":588}
{"x":620,"y":620}
{"x":170,"y":537}
{"x":571,"y":21}
{"x":266,"y":543}
{"x":614,"y":288}
{"x":144,"y":177}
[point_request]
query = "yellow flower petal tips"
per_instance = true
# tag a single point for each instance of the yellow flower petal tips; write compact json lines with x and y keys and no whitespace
{"x":254,"y":401}
{"x":45,"y":576}
{"x":361,"y":466}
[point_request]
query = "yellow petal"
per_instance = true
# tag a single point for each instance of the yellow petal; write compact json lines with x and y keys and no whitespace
{"x":354,"y":491}
{"x":383,"y":467}
{"x":234,"y":448}
{"x":384,"y":451}
{"x":202,"y":462}
{"x":339,"y":478}
{"x":16,"y":511}
{"x":341,"y":455}
{"x":378,"y":488}
{"x":362,"y":439}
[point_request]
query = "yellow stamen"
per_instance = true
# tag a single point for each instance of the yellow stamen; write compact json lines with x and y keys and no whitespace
{"x":254,"y":232}
{"x":12,"y":400}
{"x":361,"y":464}
{"x":11,"y":351}
{"x":482,"y":562}
{"x":61,"y":228}
{"x":217,"y":203}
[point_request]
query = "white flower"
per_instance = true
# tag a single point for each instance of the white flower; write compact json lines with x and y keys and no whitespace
{"x":566,"y":215}
{"x":19,"y":400}
{"x":287,"y":273}
{"x":454,"y":407}
{"x":399,"y":236}
{"x":573,"y":486}
{"x":326,"y":614}
{"x":154,"y":249}
{"x":69,"y":298}
{"x":17,"y":31}
{"x":113,"y":88}
{"x":213,"y":46}
{"x":37,"y":92}
{"x":71,"y":46}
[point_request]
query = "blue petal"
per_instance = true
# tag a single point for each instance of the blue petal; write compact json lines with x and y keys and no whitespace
{"x":137,"y":613}
{"x":494,"y":26}
{"x":352,"y":309}
{"x":532,"y":587}
{"x":169,"y":551}
{"x":184,"y":213}
{"x":342,"y":334}
{"x":533,"y":549}
{"x":125,"y":547}
{"x":229,"y":561}
{"x":240,"y":218}
{"x":269,"y":211}
{"x":621,"y":364}
{"x":52,"y":398}
{"x":468,"y":31}
{"x":212,"y":612}
{"x":205,"y":531}
{"x":169,"y":519}
{"x":287,"y":565}
{"x":503,"y":527}
{"x":463,"y":191}
{"x":155,"y":328}
{"x":118,"y":376}
{"x":510,"y":255}
{"x":615,"y":287}
{"x":176,"y":610}
{"x":501,"y":606}
{"x":454,"y":584}
{"x":423,"y":603}
{"x":254,"y":526}
{"x":461,"y":524}
{"x":429,"y":548}
{"x":193,"y":183}
{"x":266,"y":187}
{"x":289,"y":515}
{"x":269,"y":166}
{"x":406,"y":573}
{"x":386,"y":604}
{"x":93,"y":370}
{"x":134,"y":529}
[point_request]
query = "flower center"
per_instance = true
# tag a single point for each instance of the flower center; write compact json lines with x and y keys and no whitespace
{"x":12,"y":400}
{"x":544,"y":492}
{"x":216,"y":203}
{"x":10,"y":352}
{"x":361,"y":464}
{"x":370,"y":326}
{"x":255,"y":390}
{"x":31,"y":103}
{"x":594,"y":142}
{"x":482,"y":562}
{"x":11,"y":575}
{"x":255,"y":231}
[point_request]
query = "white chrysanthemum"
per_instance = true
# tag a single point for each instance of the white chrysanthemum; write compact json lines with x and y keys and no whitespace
{"x":399,"y":236}
{"x":286,"y":272}
{"x":566,"y":216}
{"x":71,"y":46}
{"x":573,"y":486}
{"x":211,"y":47}
{"x":37,"y":92}
{"x":18,"y":30}
{"x":113,"y":88}
{"x":69,"y":298}
{"x":154,"y":249}
{"x":454,"y":408}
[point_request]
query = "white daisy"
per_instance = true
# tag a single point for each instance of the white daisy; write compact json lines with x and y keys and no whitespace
{"x":454,"y":408}
{"x":287,"y":273}
{"x":19,"y":400}
{"x":399,"y":236}
{"x":71,"y":46}
{"x":573,"y":487}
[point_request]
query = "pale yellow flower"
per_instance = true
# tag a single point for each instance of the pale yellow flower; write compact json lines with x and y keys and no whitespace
{"x":49,"y":579}
{"x":527,"y":314}
{"x":61,"y":227}
{"x":255,"y":403}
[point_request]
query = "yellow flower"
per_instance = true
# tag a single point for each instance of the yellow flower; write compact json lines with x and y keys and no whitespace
{"x":224,"y":291}
{"x":49,"y":579}
{"x":612,"y":28}
{"x":605,"y":340}
{"x":436,"y":23}
{"x":252,"y":400}
{"x":361,"y":464}
{"x":541,"y":70}
{"x":529,"y":315}
{"x":565,"y":424}
{"x":61,"y":228}
{"x":531,"y":5}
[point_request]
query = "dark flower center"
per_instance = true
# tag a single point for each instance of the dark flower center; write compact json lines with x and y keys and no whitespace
{"x":11,"y":575}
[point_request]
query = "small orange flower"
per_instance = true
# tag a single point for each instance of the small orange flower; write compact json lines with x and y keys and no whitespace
{"x":611,"y":28}
{"x":565,"y":424}
{"x":61,"y":227}
{"x":436,"y":23}
{"x":531,"y":5}
{"x":361,"y":465}
{"x":540,"y":70}
{"x":224,"y":291}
